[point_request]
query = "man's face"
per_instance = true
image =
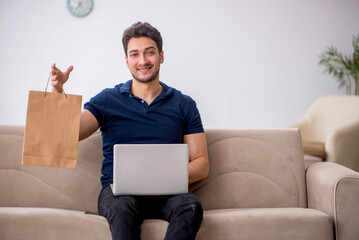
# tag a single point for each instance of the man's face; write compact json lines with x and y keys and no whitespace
{"x":143,"y":59}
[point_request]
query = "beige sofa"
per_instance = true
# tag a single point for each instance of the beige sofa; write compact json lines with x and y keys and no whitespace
{"x":257,"y":189}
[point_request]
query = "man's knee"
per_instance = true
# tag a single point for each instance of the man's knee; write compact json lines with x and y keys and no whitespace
{"x":189,"y":205}
{"x":196,"y":209}
{"x":124,"y":205}
{"x":120,"y":206}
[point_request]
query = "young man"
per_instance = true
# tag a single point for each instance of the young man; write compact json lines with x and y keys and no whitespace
{"x":144,"y":110}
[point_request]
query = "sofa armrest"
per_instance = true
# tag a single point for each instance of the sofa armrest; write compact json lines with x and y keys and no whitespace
{"x":334,"y":189}
{"x":342,"y":146}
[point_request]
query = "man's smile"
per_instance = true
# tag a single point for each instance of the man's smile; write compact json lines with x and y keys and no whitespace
{"x":144,"y":69}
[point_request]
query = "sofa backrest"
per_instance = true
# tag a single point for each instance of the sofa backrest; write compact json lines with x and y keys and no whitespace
{"x":249,"y":168}
{"x":252,"y":169}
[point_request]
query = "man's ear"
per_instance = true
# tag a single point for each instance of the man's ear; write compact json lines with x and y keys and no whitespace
{"x":162,"y":59}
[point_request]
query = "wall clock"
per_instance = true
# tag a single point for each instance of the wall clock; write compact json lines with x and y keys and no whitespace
{"x":80,"y":8}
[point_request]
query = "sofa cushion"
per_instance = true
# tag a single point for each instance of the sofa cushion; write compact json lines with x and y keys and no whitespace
{"x":153,"y":229}
{"x":250,"y":223}
{"x":266,"y":223}
{"x":47,"y":223}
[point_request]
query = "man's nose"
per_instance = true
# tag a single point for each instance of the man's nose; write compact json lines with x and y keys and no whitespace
{"x":142,"y":59}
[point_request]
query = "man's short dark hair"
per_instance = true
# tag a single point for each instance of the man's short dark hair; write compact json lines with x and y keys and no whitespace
{"x":140,"y":29}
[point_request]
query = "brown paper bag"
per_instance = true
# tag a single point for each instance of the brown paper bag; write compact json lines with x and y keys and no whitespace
{"x":52,"y":129}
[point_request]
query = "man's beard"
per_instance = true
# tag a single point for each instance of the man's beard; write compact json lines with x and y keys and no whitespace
{"x":148,"y":79}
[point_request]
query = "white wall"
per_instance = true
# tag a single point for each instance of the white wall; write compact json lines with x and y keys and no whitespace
{"x":248,"y":64}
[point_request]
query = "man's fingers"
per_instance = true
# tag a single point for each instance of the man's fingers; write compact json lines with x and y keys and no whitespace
{"x":58,"y":78}
{"x":69,"y":69}
{"x":54,"y":69}
{"x":56,"y":84}
{"x":53,"y":73}
{"x":54,"y":78}
{"x":56,"y":87}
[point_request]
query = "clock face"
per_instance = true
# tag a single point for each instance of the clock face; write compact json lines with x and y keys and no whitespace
{"x":80,"y":8}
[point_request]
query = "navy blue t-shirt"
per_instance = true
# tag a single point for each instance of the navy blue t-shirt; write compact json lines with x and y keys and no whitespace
{"x":125,"y":118}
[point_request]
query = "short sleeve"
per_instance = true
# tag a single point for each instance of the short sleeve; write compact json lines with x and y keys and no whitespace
{"x":192,"y":117}
{"x":96,"y":107}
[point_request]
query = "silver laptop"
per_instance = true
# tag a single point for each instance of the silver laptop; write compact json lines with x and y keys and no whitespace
{"x":150,"y":169}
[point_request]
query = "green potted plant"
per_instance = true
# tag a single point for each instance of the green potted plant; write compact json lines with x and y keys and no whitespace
{"x":344,"y":68}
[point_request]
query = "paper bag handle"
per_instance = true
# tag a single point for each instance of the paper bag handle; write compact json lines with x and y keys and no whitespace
{"x":48,"y":80}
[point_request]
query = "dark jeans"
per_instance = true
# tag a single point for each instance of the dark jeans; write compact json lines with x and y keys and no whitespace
{"x":125,"y":214}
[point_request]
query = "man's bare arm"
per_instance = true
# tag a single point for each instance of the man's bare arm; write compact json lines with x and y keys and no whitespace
{"x":88,"y":124}
{"x":198,"y":156}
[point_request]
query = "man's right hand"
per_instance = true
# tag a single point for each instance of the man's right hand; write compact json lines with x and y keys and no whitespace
{"x":58,"y":78}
